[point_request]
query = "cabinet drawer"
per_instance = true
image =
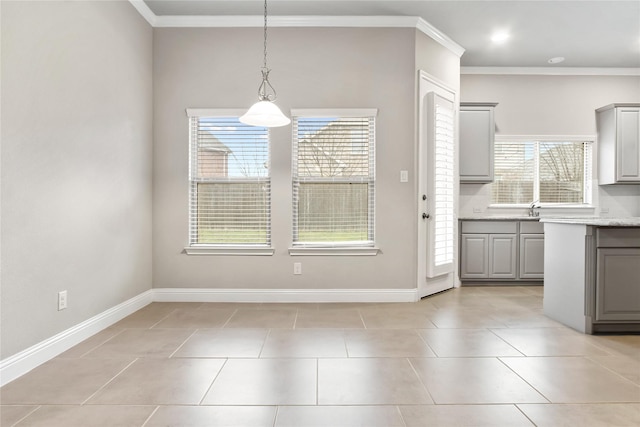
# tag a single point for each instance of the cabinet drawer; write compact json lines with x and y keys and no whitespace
{"x":488,"y":227}
{"x":618,"y":237}
{"x":531,"y":227}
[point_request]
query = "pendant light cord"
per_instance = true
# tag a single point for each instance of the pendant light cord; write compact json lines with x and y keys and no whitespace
{"x":265,"y":86}
{"x":265,"y":35}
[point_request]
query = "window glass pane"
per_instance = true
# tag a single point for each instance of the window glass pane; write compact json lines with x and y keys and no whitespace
{"x":561,"y":172}
{"x":333,"y":180}
{"x":232,"y":213}
{"x":333,"y":147}
{"x":230,"y":184}
{"x":230,"y":149}
{"x":333,"y":212}
{"x":514,"y":166}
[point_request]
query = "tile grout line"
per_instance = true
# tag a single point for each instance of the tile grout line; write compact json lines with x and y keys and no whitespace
{"x":524,"y":413}
{"x":109,"y":382}
{"x":420,"y":379}
{"x":150,"y":416}
{"x":525,"y":381}
{"x":213,"y":382}
{"x":295,"y":319}
{"x":507,"y":342}
{"x":426,"y":343}
{"x":26,"y":416}
{"x":224,"y":326}
{"x":102,"y":343}
{"x":317,"y":381}
{"x":264,"y":343}
{"x":404,"y":422}
{"x":183,"y":343}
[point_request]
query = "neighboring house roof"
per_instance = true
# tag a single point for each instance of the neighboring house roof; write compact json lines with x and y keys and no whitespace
{"x":211,"y":143}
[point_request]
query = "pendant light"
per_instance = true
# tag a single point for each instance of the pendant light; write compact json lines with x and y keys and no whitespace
{"x":264,"y":112}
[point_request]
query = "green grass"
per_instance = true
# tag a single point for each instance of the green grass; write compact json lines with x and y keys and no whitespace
{"x":242,"y":236}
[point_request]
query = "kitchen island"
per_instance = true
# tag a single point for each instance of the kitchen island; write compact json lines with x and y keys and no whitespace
{"x":592,"y":273}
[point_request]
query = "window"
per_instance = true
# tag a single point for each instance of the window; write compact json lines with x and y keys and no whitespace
{"x":229,"y":182}
{"x":333,"y":172}
{"x":548,"y":172}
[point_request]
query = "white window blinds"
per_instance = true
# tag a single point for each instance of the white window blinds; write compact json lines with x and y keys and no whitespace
{"x":440,"y":119}
{"x":333,"y":170}
{"x":443,"y":221}
{"x":549,"y":172}
{"x":229,"y":182}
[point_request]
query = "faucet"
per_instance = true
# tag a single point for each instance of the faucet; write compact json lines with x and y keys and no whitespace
{"x":532,"y":209}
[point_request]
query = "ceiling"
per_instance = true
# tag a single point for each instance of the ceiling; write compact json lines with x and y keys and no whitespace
{"x":588,"y":33}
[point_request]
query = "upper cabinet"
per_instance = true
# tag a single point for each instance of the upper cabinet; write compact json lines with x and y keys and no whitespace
{"x":477,"y":133}
{"x":618,"y":144}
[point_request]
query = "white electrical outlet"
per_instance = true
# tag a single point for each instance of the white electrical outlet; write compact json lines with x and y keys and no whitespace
{"x":404,"y":176}
{"x":62,"y":300}
{"x":297,"y":268}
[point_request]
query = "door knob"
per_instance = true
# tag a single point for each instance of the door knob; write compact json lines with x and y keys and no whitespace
{"x":425,"y":215}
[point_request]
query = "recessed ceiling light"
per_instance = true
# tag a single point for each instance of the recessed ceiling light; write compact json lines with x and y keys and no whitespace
{"x":499,"y":37}
{"x":556,"y":60}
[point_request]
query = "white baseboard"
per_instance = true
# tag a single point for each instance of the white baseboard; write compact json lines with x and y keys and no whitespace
{"x":284,"y":295}
{"x":19,"y":364}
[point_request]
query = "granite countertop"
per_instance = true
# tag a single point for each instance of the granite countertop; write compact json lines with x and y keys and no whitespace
{"x":500,"y":218}
{"x":596,"y":221}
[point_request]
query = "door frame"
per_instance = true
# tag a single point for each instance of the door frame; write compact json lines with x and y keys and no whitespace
{"x":426,"y":84}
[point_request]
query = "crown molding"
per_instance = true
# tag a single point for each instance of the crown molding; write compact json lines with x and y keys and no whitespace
{"x":549,"y":71}
{"x":192,"y":21}
{"x":144,"y":11}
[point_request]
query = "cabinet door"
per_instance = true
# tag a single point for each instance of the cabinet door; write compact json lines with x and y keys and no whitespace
{"x":618,"y":284}
{"x":628,"y":144}
{"x":477,"y":132}
{"x":531,"y":256}
{"x":474,"y":259}
{"x":502,"y":256}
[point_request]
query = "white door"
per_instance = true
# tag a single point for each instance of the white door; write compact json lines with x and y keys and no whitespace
{"x":437,"y":115}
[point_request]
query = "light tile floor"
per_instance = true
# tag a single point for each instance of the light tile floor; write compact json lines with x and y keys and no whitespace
{"x":476,"y":356}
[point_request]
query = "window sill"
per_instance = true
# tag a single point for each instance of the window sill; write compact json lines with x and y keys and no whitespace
{"x":229,"y":250}
{"x":334,"y":251}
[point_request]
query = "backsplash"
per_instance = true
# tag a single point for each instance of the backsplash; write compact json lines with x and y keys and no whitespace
{"x":608,"y":201}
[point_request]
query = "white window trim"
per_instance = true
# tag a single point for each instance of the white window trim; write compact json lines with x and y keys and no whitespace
{"x":223,"y":250}
{"x":552,"y":138}
{"x":334,"y":248}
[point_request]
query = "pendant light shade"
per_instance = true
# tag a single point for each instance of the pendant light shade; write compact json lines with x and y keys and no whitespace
{"x":265,"y":113}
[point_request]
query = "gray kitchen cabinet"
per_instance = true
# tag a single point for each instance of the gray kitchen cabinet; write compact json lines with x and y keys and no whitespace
{"x":477,"y":134}
{"x":475,"y":256}
{"x":502,"y":256}
{"x":531,"y":256}
{"x":618,"y":144}
{"x":618,"y":275}
{"x":501,"y":250}
{"x":488,"y":250}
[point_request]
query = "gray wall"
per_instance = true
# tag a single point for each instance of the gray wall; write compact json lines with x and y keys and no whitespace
{"x":552,"y":105}
{"x":76,"y":163}
{"x":312,"y":68}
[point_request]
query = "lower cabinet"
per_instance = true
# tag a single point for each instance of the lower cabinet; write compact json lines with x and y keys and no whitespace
{"x":616,"y":297}
{"x":531,"y":256}
{"x":502,"y":256}
{"x":474,"y":262}
{"x":501,"y":250}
